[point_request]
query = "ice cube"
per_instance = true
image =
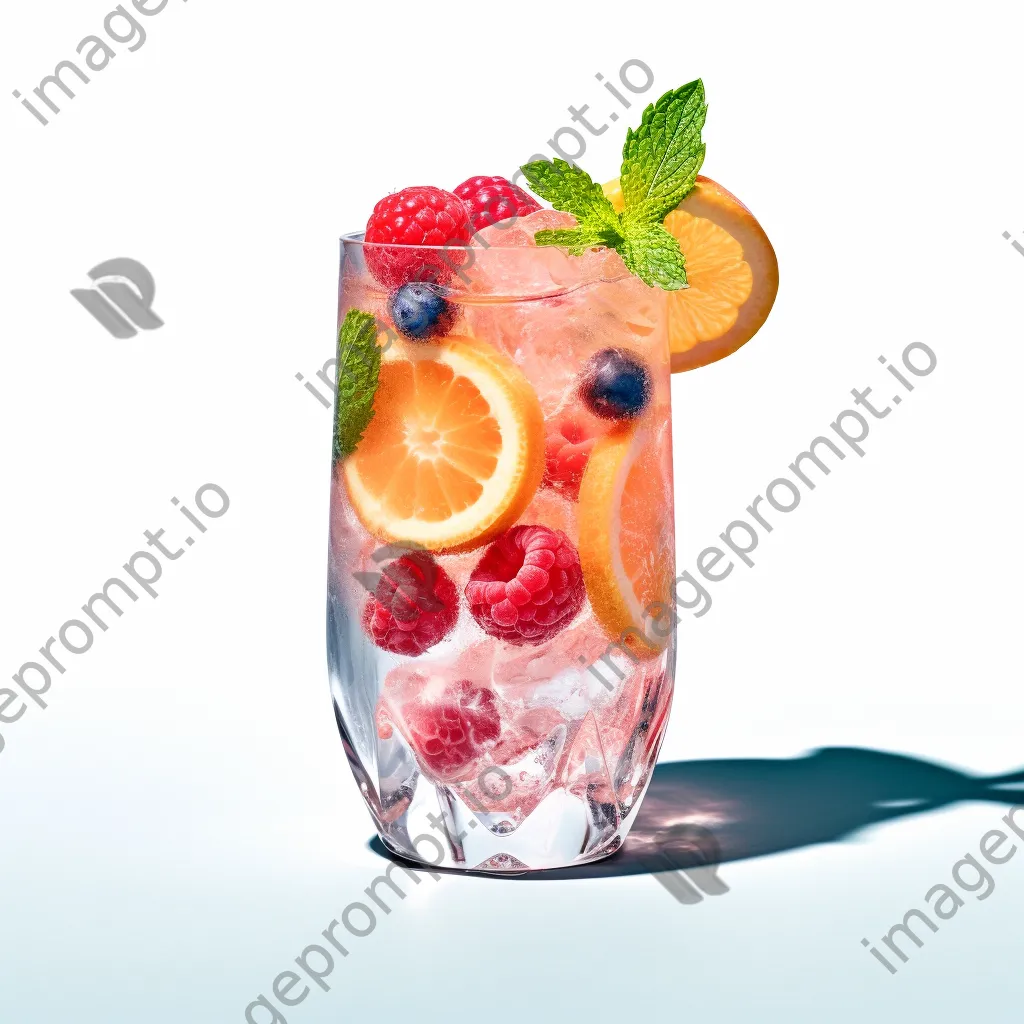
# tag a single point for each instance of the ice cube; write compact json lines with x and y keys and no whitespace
{"x":516,"y":231}
{"x":557,"y":671}
{"x":506,"y":262}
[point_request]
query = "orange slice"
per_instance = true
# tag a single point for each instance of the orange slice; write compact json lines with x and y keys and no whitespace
{"x":455,"y":449}
{"x":626,"y":548}
{"x":731,"y":268}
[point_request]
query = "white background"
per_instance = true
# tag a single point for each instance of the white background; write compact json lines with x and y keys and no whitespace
{"x":180,"y":822}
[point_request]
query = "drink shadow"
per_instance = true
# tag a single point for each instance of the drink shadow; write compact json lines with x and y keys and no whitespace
{"x":699,"y":813}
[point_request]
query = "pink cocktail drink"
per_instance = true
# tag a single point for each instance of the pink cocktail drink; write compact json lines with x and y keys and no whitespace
{"x":500,"y":620}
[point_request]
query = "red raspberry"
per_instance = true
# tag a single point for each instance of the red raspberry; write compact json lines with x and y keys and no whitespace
{"x":449,"y":730}
{"x":528,"y":585}
{"x":421,"y":215}
{"x":414,"y":606}
{"x":492,"y":199}
{"x":570,"y":440}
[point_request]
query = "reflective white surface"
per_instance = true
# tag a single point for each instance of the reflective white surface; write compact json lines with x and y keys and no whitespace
{"x":179,"y":824}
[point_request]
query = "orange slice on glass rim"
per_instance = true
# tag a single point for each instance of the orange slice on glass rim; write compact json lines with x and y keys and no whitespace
{"x":732,"y":272}
{"x":626,"y":548}
{"x":455,"y":449}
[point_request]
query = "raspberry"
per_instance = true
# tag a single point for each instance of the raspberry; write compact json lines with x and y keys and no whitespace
{"x":570,"y":440}
{"x":528,"y":585}
{"x":448,"y":730}
{"x":414,"y":606}
{"x":492,"y":199}
{"x":421,"y":215}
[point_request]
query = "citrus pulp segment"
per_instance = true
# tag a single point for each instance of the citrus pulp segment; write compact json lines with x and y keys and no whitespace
{"x":626,"y":544}
{"x":455,"y":450}
{"x":732,"y":272}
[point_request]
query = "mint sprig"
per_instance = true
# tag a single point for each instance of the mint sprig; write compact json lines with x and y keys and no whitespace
{"x":660,"y":162}
{"x":358,"y":375}
{"x":577,"y":240}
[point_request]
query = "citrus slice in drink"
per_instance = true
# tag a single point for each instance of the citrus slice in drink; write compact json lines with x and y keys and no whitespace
{"x":455,"y":449}
{"x":732,"y":272}
{"x":626,"y":544}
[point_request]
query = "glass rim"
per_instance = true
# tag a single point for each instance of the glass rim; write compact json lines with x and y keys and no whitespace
{"x":356,"y":238}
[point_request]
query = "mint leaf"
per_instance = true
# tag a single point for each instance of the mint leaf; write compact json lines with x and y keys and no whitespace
{"x":660,"y":160}
{"x":576,"y":240}
{"x":358,"y":374}
{"x":571,"y":190}
{"x":650,"y":252}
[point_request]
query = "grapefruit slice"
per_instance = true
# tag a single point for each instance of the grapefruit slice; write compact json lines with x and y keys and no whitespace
{"x":626,"y":548}
{"x":455,"y":449}
{"x":731,"y":268}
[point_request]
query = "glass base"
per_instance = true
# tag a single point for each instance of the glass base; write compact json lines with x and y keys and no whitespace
{"x":559,"y":791}
{"x":503,"y":863}
{"x":436,"y":825}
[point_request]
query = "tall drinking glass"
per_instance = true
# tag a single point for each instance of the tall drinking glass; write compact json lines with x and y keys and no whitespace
{"x":500,"y":620}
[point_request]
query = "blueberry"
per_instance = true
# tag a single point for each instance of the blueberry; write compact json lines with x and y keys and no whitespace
{"x":615,"y":385}
{"x":420,"y":311}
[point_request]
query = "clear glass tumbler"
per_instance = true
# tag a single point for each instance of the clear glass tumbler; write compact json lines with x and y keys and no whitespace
{"x":500,"y":627}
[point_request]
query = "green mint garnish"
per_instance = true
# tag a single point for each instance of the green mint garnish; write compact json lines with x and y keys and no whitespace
{"x":570,"y":189}
{"x":358,"y":372}
{"x":660,"y":162}
{"x":651,"y":253}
